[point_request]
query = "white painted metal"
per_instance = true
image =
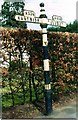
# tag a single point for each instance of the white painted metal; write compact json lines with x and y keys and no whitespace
{"x":29,"y":13}
{"x":46,"y":64}
{"x":29,"y":16}
{"x":47,"y":86}
{"x":55,"y":17}
{"x":44,"y":30}
{"x":44,"y":38}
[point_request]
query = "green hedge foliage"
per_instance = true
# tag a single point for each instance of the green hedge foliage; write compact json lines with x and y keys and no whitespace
{"x":62,"y":49}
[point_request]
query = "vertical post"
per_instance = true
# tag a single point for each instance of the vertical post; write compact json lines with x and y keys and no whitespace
{"x":48,"y":92}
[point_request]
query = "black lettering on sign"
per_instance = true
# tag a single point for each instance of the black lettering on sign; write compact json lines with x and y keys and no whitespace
{"x":18,"y":18}
{"x":30,"y":19}
{"x":21,"y":18}
{"x":25,"y":19}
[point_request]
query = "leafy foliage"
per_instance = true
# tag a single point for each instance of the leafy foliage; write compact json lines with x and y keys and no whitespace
{"x":26,"y":77}
{"x":9,"y":10}
{"x":73,"y":28}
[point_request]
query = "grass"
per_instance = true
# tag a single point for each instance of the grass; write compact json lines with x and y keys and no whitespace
{"x":18,"y":91}
{"x":18,"y":96}
{"x":7,"y":103}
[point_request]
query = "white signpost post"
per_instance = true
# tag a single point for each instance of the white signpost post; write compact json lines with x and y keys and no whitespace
{"x":29,"y":16}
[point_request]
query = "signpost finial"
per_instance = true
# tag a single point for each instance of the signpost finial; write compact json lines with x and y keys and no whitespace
{"x":43,"y":15}
{"x":41,"y":4}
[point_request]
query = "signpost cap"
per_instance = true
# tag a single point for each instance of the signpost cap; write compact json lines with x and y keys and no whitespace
{"x":41,"y":4}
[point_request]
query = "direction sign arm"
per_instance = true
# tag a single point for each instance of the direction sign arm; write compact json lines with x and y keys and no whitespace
{"x":56,"y":23}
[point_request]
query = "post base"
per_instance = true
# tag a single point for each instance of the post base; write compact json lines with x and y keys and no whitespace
{"x":48,"y":101}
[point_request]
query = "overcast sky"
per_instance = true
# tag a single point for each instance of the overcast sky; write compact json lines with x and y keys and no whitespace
{"x":64,"y":8}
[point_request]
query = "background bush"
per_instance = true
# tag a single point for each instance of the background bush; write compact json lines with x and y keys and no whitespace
{"x":24,"y":77}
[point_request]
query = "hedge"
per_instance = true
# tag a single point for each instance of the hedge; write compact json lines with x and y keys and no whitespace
{"x":62,"y":49}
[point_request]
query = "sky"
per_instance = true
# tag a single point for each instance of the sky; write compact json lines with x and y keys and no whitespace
{"x":64,"y":8}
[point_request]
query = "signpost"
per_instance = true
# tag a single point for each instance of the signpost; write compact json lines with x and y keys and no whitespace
{"x":29,"y":16}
